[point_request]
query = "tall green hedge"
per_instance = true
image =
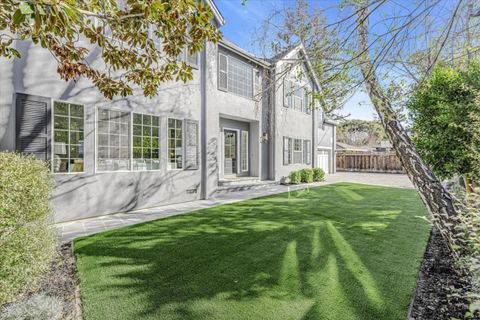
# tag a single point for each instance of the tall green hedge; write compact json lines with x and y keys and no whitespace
{"x":27,"y":237}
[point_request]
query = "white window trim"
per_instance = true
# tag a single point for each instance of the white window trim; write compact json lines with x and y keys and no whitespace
{"x":244,"y":136}
{"x":52,"y":134}
{"x":183,"y":146}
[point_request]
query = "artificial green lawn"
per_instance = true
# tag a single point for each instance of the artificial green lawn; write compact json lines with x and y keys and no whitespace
{"x":343,"y":251}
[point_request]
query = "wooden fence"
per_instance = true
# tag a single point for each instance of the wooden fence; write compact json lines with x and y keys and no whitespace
{"x":369,"y":162}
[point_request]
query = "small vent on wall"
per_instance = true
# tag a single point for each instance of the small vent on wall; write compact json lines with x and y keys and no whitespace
{"x":191,"y":190}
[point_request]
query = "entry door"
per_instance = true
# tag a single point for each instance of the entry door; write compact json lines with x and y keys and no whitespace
{"x":322,"y":160}
{"x":230,"y":152}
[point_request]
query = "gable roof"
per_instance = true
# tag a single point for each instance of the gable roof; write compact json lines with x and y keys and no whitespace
{"x":300,"y":48}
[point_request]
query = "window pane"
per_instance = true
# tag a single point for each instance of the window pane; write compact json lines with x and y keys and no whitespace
{"x":148,"y":131}
{"x":76,"y":110}
{"x":60,"y":136}
{"x":147,"y":119}
{"x":61,"y":122}
{"x":67,"y":137}
{"x":114,"y":133}
{"x":76,"y":124}
{"x":137,"y":130}
{"x":61,"y":108}
{"x":137,"y":118}
{"x":76,"y":137}
{"x":137,"y":141}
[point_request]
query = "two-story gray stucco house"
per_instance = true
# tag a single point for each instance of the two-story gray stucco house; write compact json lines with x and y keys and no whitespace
{"x":240,"y":118}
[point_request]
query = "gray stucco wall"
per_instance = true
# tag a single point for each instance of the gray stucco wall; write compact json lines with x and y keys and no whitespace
{"x":222,"y":104}
{"x":82,"y":195}
{"x":92,"y":193}
{"x":291,"y":123}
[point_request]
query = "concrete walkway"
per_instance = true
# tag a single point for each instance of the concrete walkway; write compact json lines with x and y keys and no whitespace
{"x":73,"y":229}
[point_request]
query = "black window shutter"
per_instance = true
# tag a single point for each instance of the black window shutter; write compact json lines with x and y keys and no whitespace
{"x":191,"y":145}
{"x":33,"y":125}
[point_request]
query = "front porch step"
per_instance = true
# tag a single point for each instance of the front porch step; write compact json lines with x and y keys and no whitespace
{"x":235,"y":181}
{"x":227,"y":186}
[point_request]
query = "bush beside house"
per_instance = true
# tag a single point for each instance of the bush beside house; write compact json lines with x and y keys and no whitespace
{"x":295,"y":177}
{"x":307,"y":175}
{"x":27,"y":239}
{"x":318,"y":174}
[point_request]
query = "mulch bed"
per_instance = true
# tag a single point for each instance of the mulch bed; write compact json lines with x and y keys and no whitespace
{"x":439,"y":286}
{"x":62,"y":282}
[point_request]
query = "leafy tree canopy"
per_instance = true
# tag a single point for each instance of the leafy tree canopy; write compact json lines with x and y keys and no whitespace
{"x":360,"y":132}
{"x":139,"y":40}
{"x":446,"y":121}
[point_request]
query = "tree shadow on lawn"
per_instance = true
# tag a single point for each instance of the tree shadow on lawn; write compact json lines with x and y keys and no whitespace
{"x":339,"y":251}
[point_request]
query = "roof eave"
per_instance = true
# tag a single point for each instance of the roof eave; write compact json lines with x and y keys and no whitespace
{"x":216,"y":12}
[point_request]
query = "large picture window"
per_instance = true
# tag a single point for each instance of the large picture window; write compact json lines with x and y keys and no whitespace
{"x":175,"y":144}
{"x":113,"y":140}
{"x":235,"y":76}
{"x":68,"y":137}
{"x":146,"y":152}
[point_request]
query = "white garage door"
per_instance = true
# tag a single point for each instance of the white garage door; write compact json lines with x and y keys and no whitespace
{"x":322,"y":160}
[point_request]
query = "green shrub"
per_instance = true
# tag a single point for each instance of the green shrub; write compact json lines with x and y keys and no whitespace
{"x":27,"y":238}
{"x":295,"y":177}
{"x":307,"y":175}
{"x":318,"y":174}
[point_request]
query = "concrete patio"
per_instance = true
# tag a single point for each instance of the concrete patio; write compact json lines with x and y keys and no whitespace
{"x":73,"y":229}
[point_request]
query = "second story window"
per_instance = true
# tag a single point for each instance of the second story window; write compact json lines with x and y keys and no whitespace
{"x":191,"y":59}
{"x":296,"y":96}
{"x":235,"y":76}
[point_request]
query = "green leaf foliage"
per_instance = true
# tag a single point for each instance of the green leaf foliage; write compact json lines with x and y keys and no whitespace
{"x":27,"y":238}
{"x":446,"y":121}
{"x":318,"y":174}
{"x":306,"y":175}
{"x":139,"y":41}
{"x":295,"y":177}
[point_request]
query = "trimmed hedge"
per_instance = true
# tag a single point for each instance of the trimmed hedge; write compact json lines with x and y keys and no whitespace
{"x":318,"y":174}
{"x":27,"y":238}
{"x":307,"y":175}
{"x":295,"y":177}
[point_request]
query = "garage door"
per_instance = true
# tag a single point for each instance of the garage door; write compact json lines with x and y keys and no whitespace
{"x":322,"y":160}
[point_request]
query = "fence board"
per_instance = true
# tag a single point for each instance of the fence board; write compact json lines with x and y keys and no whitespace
{"x":369,"y":162}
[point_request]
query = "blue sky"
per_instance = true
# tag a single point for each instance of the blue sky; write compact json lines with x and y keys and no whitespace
{"x":243,"y":20}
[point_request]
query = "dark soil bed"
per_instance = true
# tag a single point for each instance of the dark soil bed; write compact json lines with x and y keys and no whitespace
{"x":439,"y":287}
{"x":63,"y":283}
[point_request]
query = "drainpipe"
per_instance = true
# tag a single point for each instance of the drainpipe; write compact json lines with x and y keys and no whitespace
{"x":203,"y":123}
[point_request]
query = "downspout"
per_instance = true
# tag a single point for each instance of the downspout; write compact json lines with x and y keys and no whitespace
{"x":203,"y":123}
{"x":272,"y":105}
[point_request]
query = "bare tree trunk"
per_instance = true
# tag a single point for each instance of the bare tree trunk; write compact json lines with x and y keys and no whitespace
{"x":437,"y":200}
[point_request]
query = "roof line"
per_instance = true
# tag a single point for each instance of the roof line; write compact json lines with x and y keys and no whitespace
{"x":216,"y":12}
{"x":242,"y":52}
